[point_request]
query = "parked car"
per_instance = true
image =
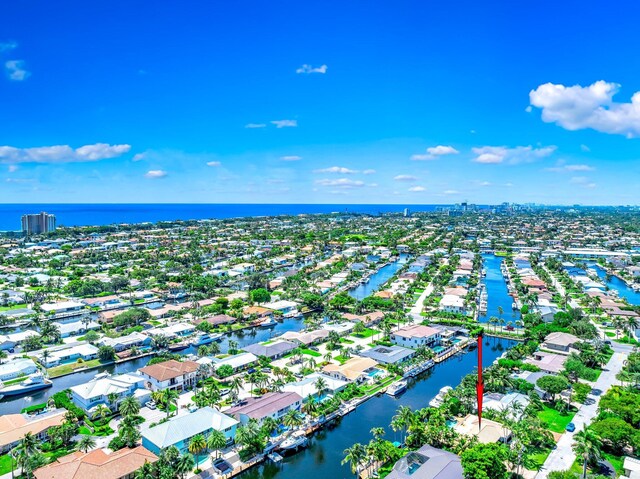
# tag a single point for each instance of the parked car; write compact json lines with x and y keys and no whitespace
{"x":151,"y":404}
{"x":571,"y":427}
{"x":509,"y":328}
{"x":251,"y":370}
{"x":224,"y":391}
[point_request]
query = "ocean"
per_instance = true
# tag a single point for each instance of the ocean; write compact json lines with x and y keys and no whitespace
{"x":107,"y":214}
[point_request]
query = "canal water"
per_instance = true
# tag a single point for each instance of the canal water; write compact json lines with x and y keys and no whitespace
{"x":497,"y":292}
{"x":615,"y":283}
{"x":323,"y":456}
{"x":377,"y":279}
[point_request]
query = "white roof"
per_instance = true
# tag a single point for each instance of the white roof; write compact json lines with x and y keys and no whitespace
{"x":17,"y":366}
{"x":307,"y":386}
{"x":107,"y":385}
{"x":61,"y":305}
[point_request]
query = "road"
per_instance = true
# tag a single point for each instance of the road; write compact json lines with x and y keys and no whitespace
{"x":416,"y":309}
{"x":562,"y":457}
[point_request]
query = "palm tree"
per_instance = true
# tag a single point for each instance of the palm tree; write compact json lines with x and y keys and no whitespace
{"x":235,"y":386}
{"x":354,"y":455}
{"x":310,"y":407}
{"x":113,"y":399}
{"x":85,"y":444}
{"x":269,"y":425}
{"x":129,"y":406}
{"x":197,"y":444}
{"x":184,"y":465}
{"x":169,"y":397}
{"x":102,"y":411}
{"x":216,"y":441}
{"x":321,"y":386}
{"x":27,"y":448}
{"x":587,"y":445}
{"x":146,"y":471}
{"x":292,"y":418}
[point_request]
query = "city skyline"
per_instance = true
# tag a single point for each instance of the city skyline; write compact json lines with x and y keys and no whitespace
{"x":365,"y":103}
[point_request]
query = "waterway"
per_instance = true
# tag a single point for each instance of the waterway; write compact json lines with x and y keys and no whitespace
{"x":497,"y":292}
{"x":323,"y":456}
{"x":615,"y":283}
{"x":243,"y":338}
{"x":378,"y":279}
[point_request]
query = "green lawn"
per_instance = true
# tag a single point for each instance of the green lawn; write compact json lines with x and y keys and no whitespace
{"x":84,"y":430}
{"x":9,"y":308}
{"x":69,"y":368}
{"x":555,"y":421}
{"x":616,"y":461}
{"x":311,"y":352}
{"x":367,"y":333}
{"x":341,"y":359}
{"x":5,"y":464}
{"x":534,"y":460}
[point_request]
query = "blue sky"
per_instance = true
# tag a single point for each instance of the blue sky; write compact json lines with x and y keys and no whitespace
{"x":410,"y":102}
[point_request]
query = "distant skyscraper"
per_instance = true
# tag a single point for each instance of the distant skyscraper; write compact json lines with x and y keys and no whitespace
{"x":38,"y":223}
{"x":407,"y":213}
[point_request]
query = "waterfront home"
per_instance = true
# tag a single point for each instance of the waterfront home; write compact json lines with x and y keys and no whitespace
{"x":272,"y":350}
{"x":75,"y":327}
{"x":306,"y":338}
{"x":562,"y":343}
{"x":237,"y":361}
{"x":452,"y":304}
{"x":532,"y":378}
{"x":389,"y":354}
{"x":97,"y":391}
{"x":427,"y":462}
{"x":5,"y":343}
{"x":258,"y":311}
{"x":13,"y":427}
{"x":17,"y":367}
{"x":307,"y":386}
{"x":12,"y":340}
{"x":86,"y":352}
{"x":126,"y":342}
{"x":97,"y":464}
{"x":504,"y":402}
{"x":179,"y":430}
{"x":217,"y":320}
{"x":286,"y":308}
{"x":174,"y":330}
{"x":356,"y":369}
{"x":63,"y":309}
{"x":274,"y":405}
{"x":489,"y":432}
{"x":170,"y":374}
{"x":416,"y":336}
{"x":343,"y":329}
{"x":548,"y":362}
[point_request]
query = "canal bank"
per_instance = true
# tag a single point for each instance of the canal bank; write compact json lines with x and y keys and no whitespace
{"x":323,"y":456}
{"x":616,"y":284}
{"x":378,"y":279}
{"x":497,"y":291}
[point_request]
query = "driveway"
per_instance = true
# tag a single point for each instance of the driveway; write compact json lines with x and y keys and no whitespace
{"x":562,"y":457}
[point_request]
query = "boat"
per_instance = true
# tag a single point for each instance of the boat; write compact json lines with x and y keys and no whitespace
{"x":439,"y":399}
{"x":292,"y":314}
{"x":202,"y":339}
{"x":295,"y":441}
{"x":397,"y":388}
{"x":32,"y":383}
{"x":178,"y":346}
{"x":514,"y":306}
{"x":267,"y":323}
{"x":413,"y":372}
{"x":275,"y":457}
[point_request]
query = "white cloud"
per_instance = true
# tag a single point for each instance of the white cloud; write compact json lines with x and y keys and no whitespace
{"x":512,"y":156}
{"x":369,"y":172}
{"x":562,"y":167}
{"x":255,"y":125}
{"x":529,"y":109}
{"x":484,"y":183}
{"x":7,"y":46}
{"x":291,"y":158}
{"x":16,"y":70}
{"x":336,"y":169}
{"x":61,"y":153}
{"x":155,"y":174}
{"x":213,"y":163}
{"x":435,"y":152}
{"x":405,"y":178}
{"x":309,"y":69}
{"x":138,"y":157}
{"x":577,"y":107}
{"x":345,"y":183}
{"x":417,"y":188}
{"x":13,"y":168}
{"x":285,"y":123}
{"x":585,"y":148}
{"x":451,"y":192}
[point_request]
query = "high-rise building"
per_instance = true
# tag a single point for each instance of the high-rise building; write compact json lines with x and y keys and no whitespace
{"x":38,"y":223}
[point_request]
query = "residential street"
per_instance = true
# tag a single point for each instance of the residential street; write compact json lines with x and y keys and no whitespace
{"x":562,"y":457}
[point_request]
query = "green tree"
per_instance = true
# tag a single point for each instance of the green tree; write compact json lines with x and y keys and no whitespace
{"x":129,"y":406}
{"x":260,"y":295}
{"x":197,"y":444}
{"x":216,"y":441}
{"x":587,"y":447}
{"x":85,"y":444}
{"x":106,"y":353}
{"x":484,"y":461}
{"x":553,"y":385}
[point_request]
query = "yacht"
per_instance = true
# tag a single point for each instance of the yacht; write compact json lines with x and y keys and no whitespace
{"x":439,"y":399}
{"x":202,"y":339}
{"x":397,"y":388}
{"x":296,"y":440}
{"x":267,"y":323}
{"x":32,"y":383}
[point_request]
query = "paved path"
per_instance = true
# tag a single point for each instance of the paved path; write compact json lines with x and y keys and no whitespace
{"x":417,"y":307}
{"x":562,"y":457}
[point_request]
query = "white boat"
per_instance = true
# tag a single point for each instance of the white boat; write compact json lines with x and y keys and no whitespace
{"x":292,"y":314}
{"x":514,"y":306}
{"x":268,"y":323}
{"x":397,"y":388}
{"x":439,"y":399}
{"x":32,"y":383}
{"x":296,"y":440}
{"x":202,"y":339}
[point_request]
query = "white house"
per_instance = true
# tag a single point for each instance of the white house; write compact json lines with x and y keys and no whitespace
{"x":16,"y":368}
{"x":98,"y":391}
{"x":416,"y":336}
{"x":86,"y":352}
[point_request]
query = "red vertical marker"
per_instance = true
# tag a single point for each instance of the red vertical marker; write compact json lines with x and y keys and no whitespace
{"x":480,"y":383}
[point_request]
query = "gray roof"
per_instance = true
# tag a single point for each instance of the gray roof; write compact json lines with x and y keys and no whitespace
{"x":270,"y":350}
{"x":258,"y":408}
{"x":183,"y":427}
{"x":431,"y":463}
{"x":388,"y":354}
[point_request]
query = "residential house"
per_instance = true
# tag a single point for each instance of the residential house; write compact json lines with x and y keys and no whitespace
{"x":13,"y":427}
{"x":428,"y":462}
{"x":562,"y":343}
{"x":170,"y":374}
{"x":356,"y":369}
{"x":272,"y":350}
{"x":101,"y":389}
{"x":274,"y":405}
{"x":17,"y":367}
{"x":416,"y":336}
{"x":86,"y":352}
{"x":179,"y":430}
{"x":489,"y":432}
{"x":389,"y":354}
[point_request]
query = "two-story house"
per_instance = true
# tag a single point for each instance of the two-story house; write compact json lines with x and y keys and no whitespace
{"x":170,"y":374}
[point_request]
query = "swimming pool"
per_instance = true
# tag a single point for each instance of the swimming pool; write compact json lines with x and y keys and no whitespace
{"x":438,"y":349}
{"x":374,"y":373}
